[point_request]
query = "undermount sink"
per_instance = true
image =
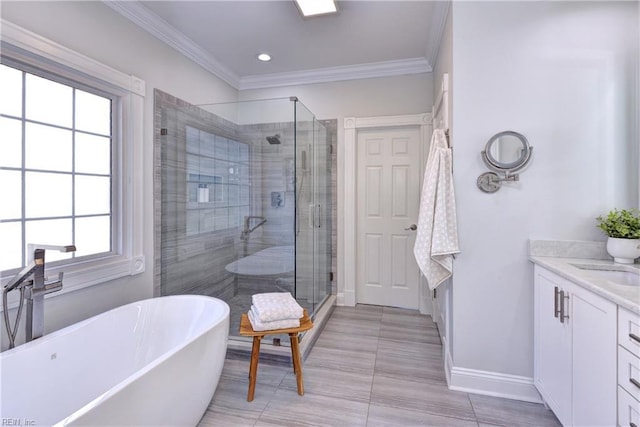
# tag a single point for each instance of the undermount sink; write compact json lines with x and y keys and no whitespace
{"x":612,"y":274}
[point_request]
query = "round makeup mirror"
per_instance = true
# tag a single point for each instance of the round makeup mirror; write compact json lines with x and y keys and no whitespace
{"x":507,"y":152}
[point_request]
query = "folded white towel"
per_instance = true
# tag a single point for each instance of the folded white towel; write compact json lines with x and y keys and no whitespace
{"x":257,"y":325}
{"x":268,"y":307}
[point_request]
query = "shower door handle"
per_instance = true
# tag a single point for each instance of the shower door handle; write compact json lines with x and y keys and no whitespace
{"x":314,"y":216}
{"x":317,"y":216}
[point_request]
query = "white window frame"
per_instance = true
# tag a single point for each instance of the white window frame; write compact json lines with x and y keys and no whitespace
{"x":127,"y":257}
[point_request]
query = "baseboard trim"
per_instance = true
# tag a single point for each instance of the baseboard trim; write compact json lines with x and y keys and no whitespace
{"x":490,"y":383}
{"x":448,"y":360}
{"x":346,"y":298}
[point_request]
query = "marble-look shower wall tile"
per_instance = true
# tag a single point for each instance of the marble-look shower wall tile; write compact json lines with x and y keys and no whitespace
{"x":188,"y":261}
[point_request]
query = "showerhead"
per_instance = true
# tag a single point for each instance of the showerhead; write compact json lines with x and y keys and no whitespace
{"x":274,"y":140}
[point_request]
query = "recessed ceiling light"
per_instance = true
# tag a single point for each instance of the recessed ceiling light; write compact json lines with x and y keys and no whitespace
{"x":264,"y":57}
{"x":316,"y":7}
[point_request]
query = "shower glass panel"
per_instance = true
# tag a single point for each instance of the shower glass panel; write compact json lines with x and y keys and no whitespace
{"x":245,"y":202}
{"x":313,"y":215}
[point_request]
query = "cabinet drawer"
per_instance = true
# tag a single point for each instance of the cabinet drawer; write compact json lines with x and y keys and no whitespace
{"x":629,"y":331}
{"x":628,"y":410}
{"x":629,"y":372}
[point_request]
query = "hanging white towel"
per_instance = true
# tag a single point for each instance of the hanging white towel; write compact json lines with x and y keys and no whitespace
{"x":437,"y":236}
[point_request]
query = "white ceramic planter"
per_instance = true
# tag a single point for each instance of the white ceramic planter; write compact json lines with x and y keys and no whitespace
{"x":623,"y":251}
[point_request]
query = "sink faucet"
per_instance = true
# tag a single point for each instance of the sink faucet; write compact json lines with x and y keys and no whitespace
{"x":33,"y":291}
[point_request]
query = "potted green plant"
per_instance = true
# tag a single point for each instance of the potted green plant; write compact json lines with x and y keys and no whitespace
{"x":623,"y":229}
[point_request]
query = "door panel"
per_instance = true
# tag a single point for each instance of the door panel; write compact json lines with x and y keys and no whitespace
{"x":388,"y":182}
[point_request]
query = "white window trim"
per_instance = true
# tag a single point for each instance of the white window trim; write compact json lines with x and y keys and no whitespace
{"x":30,"y":48}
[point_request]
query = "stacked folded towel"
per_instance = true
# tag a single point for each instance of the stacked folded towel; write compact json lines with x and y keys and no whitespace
{"x":274,"y":310}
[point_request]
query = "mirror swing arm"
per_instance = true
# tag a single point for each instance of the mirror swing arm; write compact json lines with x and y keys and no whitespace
{"x":504,"y":144}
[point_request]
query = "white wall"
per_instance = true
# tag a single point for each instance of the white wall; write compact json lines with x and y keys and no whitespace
{"x":564,"y":74}
{"x":96,"y":31}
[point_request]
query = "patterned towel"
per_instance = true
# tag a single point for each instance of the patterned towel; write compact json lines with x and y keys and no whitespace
{"x":437,"y":237}
{"x":257,"y":325}
{"x":269,"y":307}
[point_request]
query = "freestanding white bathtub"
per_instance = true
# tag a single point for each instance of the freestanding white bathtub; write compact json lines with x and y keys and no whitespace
{"x":155,"y":362}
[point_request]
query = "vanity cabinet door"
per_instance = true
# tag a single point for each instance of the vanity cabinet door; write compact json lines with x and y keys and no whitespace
{"x":594,"y":337}
{"x":552,"y":345}
{"x":575,"y":351}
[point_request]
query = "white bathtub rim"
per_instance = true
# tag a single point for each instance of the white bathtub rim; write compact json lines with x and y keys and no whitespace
{"x":127,"y":381}
{"x":149,"y":366}
{"x":75,"y":326}
{"x":140,"y":372}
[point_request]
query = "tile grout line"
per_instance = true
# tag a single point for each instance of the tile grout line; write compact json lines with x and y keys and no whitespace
{"x":473,"y":409}
{"x":373,"y":375}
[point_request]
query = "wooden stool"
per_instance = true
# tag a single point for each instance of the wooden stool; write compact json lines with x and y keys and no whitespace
{"x":247,"y":331}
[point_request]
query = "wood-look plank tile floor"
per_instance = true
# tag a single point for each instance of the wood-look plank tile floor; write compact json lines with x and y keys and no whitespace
{"x":371,"y":366}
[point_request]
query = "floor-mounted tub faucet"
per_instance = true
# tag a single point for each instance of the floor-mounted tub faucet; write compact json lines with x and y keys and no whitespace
{"x":31,"y":283}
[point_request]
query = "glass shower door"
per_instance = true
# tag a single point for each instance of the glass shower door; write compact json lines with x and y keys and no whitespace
{"x":313,"y":205}
{"x":322,"y":215}
{"x":304,"y":161}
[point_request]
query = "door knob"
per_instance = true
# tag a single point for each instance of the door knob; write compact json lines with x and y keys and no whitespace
{"x":412,"y":227}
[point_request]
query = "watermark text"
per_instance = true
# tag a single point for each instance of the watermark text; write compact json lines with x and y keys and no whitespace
{"x":17,"y":422}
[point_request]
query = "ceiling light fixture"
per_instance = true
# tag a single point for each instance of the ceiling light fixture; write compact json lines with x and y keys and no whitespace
{"x":264,"y":57}
{"x":316,"y":7}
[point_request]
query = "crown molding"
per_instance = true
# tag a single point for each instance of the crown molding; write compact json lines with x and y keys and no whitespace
{"x":137,"y":13}
{"x":25,"y":45}
{"x":438,"y":23}
{"x":334,"y":74}
{"x":140,"y":15}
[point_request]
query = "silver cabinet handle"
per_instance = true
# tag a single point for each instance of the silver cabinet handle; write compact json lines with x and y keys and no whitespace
{"x":634,"y":337}
{"x":556,"y":310}
{"x":635,"y":382}
{"x":632,"y":424}
{"x":562,"y":315}
{"x":412,"y":227}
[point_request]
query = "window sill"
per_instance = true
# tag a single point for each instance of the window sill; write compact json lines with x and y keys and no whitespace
{"x":85,"y":274}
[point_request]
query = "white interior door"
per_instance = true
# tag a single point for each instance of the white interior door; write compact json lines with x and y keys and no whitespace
{"x":388,"y":185}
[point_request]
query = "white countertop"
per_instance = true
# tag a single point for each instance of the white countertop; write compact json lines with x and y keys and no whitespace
{"x":626,"y":296}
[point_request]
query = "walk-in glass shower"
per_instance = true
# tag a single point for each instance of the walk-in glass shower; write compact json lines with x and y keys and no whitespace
{"x":244,"y":197}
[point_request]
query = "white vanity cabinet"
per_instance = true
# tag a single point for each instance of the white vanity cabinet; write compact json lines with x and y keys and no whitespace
{"x":628,"y":369}
{"x":575,"y":351}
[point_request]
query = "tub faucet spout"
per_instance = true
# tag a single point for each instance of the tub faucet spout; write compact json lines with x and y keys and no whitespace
{"x":31,"y":283}
{"x":35,"y":294}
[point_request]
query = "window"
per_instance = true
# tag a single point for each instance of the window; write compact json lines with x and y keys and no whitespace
{"x":55,"y":167}
{"x":217,"y":182}
{"x":71,"y":161}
